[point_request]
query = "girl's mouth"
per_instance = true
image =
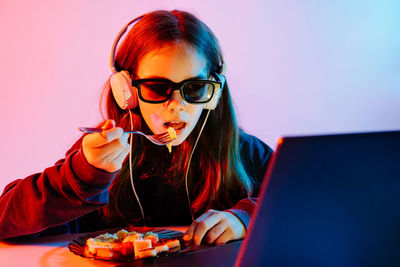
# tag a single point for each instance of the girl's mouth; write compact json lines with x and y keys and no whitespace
{"x":178,"y":126}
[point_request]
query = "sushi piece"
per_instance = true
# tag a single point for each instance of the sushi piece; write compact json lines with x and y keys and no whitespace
{"x":132,"y":237}
{"x":162,"y":248}
{"x":153,"y":237}
{"x":139,"y":245}
{"x":173,"y":244}
{"x":146,"y":253}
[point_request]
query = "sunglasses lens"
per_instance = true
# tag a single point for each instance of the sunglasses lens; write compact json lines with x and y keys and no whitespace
{"x":198,"y":91}
{"x":155,"y":90}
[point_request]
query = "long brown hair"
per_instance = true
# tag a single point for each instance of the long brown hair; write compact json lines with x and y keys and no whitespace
{"x":220,"y":177}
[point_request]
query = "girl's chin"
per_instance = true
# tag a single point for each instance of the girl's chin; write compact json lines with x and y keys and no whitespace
{"x":179,"y":140}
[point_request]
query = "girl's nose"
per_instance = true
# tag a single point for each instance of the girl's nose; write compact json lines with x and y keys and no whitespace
{"x":176,"y":102}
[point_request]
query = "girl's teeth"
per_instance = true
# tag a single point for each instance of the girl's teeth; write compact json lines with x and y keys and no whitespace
{"x":175,"y":124}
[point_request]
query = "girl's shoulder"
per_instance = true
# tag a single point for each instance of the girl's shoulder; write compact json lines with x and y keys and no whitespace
{"x":252,"y":147}
{"x":255,"y":156}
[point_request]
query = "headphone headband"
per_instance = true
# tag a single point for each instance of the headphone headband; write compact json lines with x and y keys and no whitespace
{"x":122,"y":32}
{"x":116,"y":41}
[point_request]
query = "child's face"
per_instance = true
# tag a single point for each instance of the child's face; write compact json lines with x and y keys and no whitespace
{"x":176,"y":63}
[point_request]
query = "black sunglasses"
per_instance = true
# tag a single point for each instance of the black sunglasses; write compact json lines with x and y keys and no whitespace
{"x":193,"y":91}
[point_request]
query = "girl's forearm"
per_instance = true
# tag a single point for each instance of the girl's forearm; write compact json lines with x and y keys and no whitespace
{"x":61,"y":193}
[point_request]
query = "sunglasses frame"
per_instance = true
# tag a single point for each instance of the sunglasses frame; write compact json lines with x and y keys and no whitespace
{"x":176,"y":86}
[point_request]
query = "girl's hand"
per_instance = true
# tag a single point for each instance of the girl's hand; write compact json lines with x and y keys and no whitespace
{"x":106,"y":150}
{"x":216,"y":227}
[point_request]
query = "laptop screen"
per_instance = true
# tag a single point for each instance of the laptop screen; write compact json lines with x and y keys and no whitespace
{"x":329,"y":200}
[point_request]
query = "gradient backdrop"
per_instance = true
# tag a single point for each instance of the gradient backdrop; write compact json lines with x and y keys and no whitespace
{"x":294,"y":67}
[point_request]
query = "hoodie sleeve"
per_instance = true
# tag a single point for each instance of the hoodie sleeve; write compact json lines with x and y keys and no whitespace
{"x":69,"y":189}
{"x":244,"y":209}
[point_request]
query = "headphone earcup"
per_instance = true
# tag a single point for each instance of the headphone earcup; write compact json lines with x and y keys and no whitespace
{"x":124,"y":94}
{"x":212,"y":104}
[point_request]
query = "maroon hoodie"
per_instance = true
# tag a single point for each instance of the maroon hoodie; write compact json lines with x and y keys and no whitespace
{"x":66,"y":197}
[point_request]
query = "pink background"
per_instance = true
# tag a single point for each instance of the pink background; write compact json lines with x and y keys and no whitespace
{"x":294,"y":67}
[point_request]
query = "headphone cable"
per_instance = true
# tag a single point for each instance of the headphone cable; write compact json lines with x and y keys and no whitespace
{"x":188,"y":167}
{"x":130,"y":169}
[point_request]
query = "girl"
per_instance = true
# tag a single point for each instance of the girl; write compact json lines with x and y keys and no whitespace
{"x":168,"y":72}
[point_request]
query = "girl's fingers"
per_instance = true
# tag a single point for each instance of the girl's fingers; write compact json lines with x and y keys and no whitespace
{"x":121,"y":154}
{"x":108,"y":125}
{"x":112,"y":134}
{"x":190,"y":231}
{"x":113,"y":150}
{"x":216,"y":227}
{"x":114,"y":146}
{"x":107,"y":129}
{"x":98,"y":153}
{"x":203,"y":227}
{"x":224,"y":237}
{"x":111,"y":160}
{"x":216,"y":232}
{"x":100,"y":139}
{"x":108,"y":134}
{"x":106,"y":150}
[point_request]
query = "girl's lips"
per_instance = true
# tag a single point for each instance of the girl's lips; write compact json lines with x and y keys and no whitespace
{"x":178,"y":126}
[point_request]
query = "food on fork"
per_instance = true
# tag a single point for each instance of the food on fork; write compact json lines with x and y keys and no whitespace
{"x":128,"y":244}
{"x":172,"y":135}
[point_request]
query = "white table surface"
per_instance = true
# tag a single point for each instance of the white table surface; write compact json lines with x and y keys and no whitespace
{"x":50,"y":251}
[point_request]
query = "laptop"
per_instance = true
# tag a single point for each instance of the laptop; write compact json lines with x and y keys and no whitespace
{"x":328,"y":200}
{"x":331,"y":200}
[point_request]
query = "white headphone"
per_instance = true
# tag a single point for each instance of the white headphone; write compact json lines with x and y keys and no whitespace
{"x":126,"y":95}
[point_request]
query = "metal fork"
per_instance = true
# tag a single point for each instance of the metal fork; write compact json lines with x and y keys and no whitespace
{"x":157,"y":139}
